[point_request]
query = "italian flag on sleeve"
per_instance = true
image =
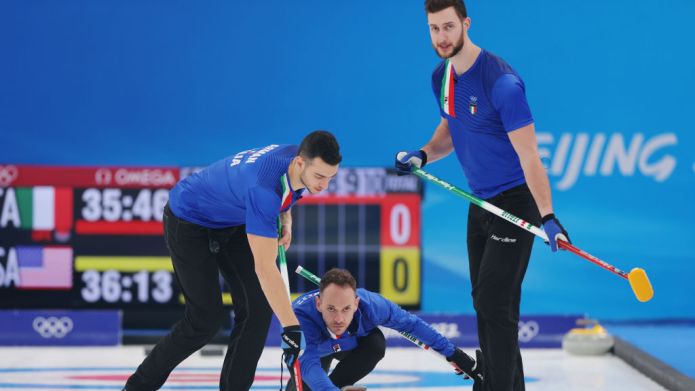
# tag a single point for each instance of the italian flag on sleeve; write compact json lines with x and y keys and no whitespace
{"x":447,"y":94}
{"x":286,"y":193}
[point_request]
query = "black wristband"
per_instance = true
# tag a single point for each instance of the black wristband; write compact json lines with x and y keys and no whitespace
{"x":292,"y":328}
{"x":424,"y":158}
{"x":547,"y":218}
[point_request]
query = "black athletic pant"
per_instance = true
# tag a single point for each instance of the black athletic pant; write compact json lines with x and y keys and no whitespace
{"x":354,"y":364}
{"x":198,"y":255}
{"x":498,"y":257}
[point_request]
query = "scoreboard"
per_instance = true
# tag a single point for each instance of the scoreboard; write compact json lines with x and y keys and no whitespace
{"x":81,"y":237}
{"x":91,"y":237}
{"x":368,"y":221}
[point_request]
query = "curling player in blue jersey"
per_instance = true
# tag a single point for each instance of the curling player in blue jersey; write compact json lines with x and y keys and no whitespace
{"x":486,"y":120}
{"x":224,"y":219}
{"x":341,"y":322}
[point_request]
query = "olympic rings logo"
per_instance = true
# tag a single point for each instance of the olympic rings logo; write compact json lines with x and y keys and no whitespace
{"x":52,"y":327}
{"x":103,"y":176}
{"x":528,"y":330}
{"x":7,"y":175}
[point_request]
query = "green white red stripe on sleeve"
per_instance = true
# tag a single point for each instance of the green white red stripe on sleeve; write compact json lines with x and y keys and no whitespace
{"x":286,"y":192}
{"x":447,"y":94}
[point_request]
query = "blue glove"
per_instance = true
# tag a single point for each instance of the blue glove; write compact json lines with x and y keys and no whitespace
{"x":405,"y":160}
{"x":293,"y":345}
{"x":554,"y":230}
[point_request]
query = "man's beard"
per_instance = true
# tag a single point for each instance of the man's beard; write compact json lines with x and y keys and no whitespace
{"x":457,"y":49}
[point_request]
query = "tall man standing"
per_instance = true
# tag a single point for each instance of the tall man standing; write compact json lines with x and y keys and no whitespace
{"x":486,"y":119}
{"x":224,"y":219}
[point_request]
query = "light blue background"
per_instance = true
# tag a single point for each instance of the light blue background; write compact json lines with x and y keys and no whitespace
{"x":154,"y":82}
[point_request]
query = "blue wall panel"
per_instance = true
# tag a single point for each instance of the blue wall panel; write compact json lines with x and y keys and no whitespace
{"x":184,"y":83}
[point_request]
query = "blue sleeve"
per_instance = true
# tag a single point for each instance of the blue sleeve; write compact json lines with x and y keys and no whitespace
{"x":509,"y":99}
{"x":312,"y":373}
{"x":262,"y":210}
{"x":388,"y":314}
{"x":310,"y":361}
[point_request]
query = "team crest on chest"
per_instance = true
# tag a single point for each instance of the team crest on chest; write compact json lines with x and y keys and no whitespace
{"x":473,"y":105}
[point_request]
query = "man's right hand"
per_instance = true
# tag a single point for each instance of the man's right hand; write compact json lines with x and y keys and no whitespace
{"x":406,"y":160}
{"x":293,"y":344}
{"x":555,"y":231}
{"x":465,"y":364}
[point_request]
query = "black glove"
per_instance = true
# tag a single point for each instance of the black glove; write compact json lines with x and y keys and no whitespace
{"x":293,"y":345}
{"x":554,"y":230}
{"x":465,"y":364}
{"x":406,"y":160}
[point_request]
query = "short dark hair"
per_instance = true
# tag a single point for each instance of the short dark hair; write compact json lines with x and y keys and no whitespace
{"x":432,"y":6}
{"x":323,"y":144}
{"x":340,"y":277}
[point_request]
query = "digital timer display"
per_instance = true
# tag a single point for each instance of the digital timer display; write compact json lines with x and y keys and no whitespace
{"x":91,"y":237}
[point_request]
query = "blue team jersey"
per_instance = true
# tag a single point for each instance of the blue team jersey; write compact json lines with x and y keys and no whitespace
{"x":374,"y":310}
{"x":482,"y":105}
{"x":250,"y":188}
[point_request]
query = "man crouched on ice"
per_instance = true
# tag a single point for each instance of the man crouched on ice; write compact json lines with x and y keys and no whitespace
{"x":341,"y":322}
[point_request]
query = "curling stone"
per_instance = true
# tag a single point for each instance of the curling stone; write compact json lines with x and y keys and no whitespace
{"x":587,"y":341}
